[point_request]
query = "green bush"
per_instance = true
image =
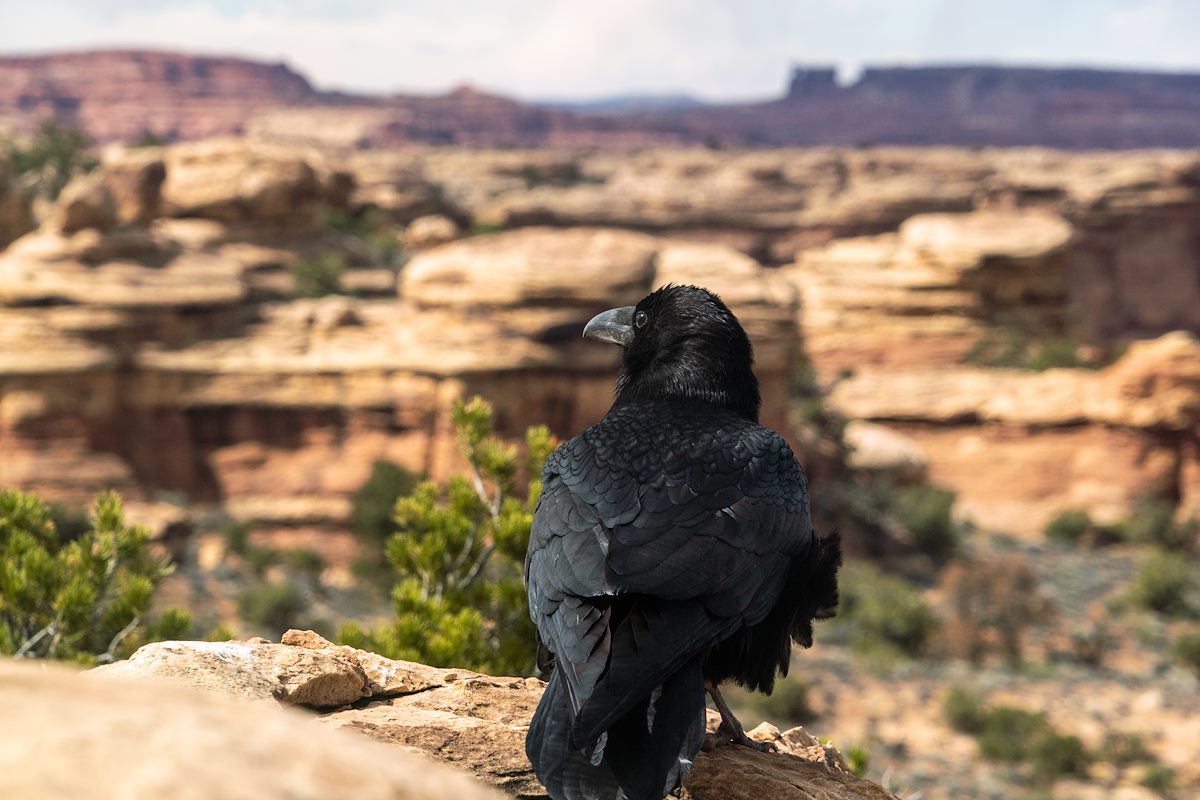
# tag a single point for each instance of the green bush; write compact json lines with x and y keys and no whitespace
{"x":458,"y":555}
{"x":964,"y":710}
{"x":787,"y":705}
{"x":318,"y":276}
{"x":305,"y":561}
{"x":1166,"y":583}
{"x":1054,"y":755}
{"x":274,"y":607}
{"x":1122,"y":749}
{"x":1069,"y":527}
{"x":52,"y":158}
{"x":858,"y":759}
{"x":1158,"y":778}
{"x":373,"y":507}
{"x":1153,"y":522}
{"x":1187,"y":651}
{"x":1013,"y":346}
{"x":83,"y":598}
{"x":1009,"y":733}
{"x":925,"y":513}
{"x":884,"y":614}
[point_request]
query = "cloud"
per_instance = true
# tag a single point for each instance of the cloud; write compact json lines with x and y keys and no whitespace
{"x":721,"y":49}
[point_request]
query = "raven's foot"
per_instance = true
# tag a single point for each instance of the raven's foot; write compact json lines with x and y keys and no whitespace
{"x":731,"y":730}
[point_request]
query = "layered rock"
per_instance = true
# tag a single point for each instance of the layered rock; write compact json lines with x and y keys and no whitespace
{"x":65,"y":736}
{"x":475,"y":723}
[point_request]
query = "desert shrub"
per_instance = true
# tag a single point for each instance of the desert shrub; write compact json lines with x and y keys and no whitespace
{"x":1122,"y":749}
{"x":925,"y":513}
{"x":370,"y":227}
{"x":1068,"y":527}
{"x":54,"y":156}
{"x":1165,"y":583}
{"x":237,"y":537}
{"x":274,"y":607}
{"x":787,"y":705}
{"x":373,"y":507}
{"x":485,"y":228}
{"x":1158,"y":778}
{"x":1153,"y":523}
{"x":884,"y":614}
{"x":305,"y":561}
{"x":318,"y":276}
{"x":1015,"y":346}
{"x":149,"y":138}
{"x":1187,"y":651}
{"x":458,"y":553}
{"x":1053,"y":755}
{"x":964,"y":710}
{"x":991,"y":604}
{"x":858,"y":759}
{"x":1008,"y":733}
{"x":85,"y":597}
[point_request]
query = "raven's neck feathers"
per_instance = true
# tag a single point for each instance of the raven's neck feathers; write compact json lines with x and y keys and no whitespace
{"x":694,"y":376}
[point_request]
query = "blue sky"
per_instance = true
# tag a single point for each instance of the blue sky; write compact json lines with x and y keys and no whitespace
{"x":716,"y":49}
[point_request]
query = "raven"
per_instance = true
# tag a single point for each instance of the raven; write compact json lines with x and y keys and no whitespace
{"x":671,"y":550}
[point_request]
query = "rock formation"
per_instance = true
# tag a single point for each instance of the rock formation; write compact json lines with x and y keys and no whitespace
{"x":150,"y":340}
{"x":123,"y":95}
{"x":475,"y":723}
{"x":65,"y":736}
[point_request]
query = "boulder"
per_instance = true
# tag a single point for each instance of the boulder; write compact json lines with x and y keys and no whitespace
{"x":85,"y":202}
{"x":473,"y":722}
{"x":63,"y":736}
{"x":135,"y":179}
{"x":233,"y":182}
{"x":877,"y":448}
{"x":592,"y":268}
{"x":430,"y":231}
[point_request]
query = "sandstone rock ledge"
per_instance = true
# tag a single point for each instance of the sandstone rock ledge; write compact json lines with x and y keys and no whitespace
{"x":470,"y":721}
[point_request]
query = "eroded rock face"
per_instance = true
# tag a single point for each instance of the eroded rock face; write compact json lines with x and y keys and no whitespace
{"x":475,"y":723}
{"x":65,"y":736}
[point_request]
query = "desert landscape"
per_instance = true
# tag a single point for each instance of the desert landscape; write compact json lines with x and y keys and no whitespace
{"x":985,"y":357}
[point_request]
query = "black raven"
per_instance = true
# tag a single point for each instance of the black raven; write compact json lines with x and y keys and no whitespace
{"x":671,"y":550}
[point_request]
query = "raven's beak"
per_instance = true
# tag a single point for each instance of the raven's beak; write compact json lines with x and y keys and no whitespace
{"x":614,"y":325}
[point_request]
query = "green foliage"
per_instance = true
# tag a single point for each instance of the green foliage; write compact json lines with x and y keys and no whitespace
{"x":1187,"y":651}
{"x":787,"y":705}
{"x":1158,"y":778}
{"x":964,"y":710}
{"x":992,"y":603}
{"x":52,"y":158}
{"x":884,"y":614}
{"x":274,"y":607}
{"x":237,"y":537}
{"x":1068,"y":527}
{"x":1016,"y":736}
{"x":318,"y":276}
{"x":305,"y":561}
{"x":1014,"y":346}
{"x":149,"y":139}
{"x":1153,"y":523}
{"x":1167,"y":584}
{"x":374,"y":504}
{"x":86,"y":598}
{"x":925,"y":513}
{"x":485,"y":228}
{"x":458,"y":553}
{"x":370,"y":227}
{"x":858,"y":759}
{"x":1122,"y":749}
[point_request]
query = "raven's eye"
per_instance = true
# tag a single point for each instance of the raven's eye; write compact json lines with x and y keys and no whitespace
{"x":640,"y":319}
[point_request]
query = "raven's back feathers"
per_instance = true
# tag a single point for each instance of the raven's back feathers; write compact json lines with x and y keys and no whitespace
{"x":672,"y":545}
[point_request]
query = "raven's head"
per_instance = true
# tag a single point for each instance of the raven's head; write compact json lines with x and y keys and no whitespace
{"x":681,"y":343}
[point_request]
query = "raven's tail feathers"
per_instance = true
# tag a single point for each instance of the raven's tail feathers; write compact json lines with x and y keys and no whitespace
{"x":644,"y":756}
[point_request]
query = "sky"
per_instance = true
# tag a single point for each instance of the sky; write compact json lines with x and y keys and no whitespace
{"x":576,"y":49}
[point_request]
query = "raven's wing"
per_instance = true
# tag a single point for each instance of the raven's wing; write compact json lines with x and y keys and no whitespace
{"x":679,"y":531}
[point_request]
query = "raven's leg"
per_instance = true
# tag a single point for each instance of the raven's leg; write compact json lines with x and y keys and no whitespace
{"x":731,"y":730}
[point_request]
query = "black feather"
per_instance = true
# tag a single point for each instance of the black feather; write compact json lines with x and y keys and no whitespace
{"x":672,"y":545}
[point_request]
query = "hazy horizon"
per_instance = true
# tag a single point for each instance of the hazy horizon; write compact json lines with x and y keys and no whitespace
{"x":541,"y":50}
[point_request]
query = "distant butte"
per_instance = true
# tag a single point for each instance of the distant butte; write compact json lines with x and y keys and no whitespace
{"x":124,"y":94}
